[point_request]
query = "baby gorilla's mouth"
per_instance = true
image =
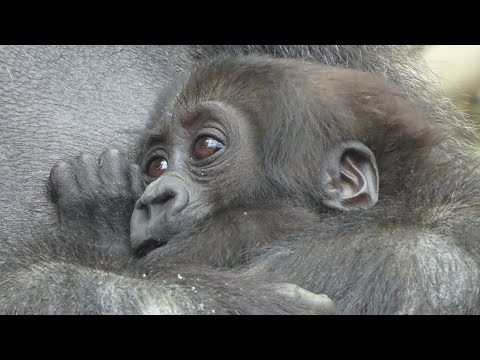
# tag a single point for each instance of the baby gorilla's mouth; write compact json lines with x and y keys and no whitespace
{"x":149,"y":245}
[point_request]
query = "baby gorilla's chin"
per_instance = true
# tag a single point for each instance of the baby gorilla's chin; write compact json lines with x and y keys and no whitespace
{"x":145,"y":240}
{"x":145,"y":243}
{"x":149,"y":245}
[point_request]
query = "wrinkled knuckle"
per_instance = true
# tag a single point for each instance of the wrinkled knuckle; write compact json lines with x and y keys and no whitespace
{"x":60,"y":166}
{"x":113,"y":160}
{"x":111,"y":154}
{"x":86,"y":159}
{"x":58,"y":169}
{"x":114,"y":152}
{"x":55,"y":170}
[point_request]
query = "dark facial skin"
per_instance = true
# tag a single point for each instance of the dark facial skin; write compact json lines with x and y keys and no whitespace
{"x":414,"y":251}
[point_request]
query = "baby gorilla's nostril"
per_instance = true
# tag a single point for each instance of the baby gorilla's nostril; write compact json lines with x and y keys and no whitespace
{"x":144,"y":208}
{"x":164,"y":197}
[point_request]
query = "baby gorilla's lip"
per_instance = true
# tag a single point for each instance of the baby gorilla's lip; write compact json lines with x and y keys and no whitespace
{"x":152,"y":239}
{"x":159,"y":232}
{"x":148,"y":246}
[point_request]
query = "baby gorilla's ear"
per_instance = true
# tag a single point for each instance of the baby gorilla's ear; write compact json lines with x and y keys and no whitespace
{"x":350,"y":177}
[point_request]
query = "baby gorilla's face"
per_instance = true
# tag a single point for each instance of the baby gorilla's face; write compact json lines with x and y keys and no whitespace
{"x":196,"y":165}
{"x":241,"y":145}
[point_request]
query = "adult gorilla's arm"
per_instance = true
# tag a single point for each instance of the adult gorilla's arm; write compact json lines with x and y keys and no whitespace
{"x":63,"y":286}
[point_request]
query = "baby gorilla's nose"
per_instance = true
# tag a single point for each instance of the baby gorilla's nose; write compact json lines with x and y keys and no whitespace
{"x":165,"y":197}
{"x":162,"y":200}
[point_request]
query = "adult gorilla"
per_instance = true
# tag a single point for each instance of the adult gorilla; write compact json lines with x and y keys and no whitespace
{"x":59,"y":101}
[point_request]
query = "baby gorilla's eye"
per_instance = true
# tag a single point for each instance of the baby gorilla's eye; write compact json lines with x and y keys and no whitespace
{"x":205,"y":147}
{"x":157,"y":167}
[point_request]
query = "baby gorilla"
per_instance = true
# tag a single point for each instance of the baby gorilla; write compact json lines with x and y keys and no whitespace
{"x":270,"y":169}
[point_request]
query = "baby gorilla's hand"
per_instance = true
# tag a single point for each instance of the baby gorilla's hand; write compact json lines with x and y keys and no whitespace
{"x":95,"y":199}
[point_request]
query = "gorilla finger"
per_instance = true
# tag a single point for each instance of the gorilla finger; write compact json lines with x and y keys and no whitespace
{"x":136,"y":181}
{"x":320,"y":304}
{"x":113,"y":167}
{"x":61,"y":182}
{"x":86,"y":173}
